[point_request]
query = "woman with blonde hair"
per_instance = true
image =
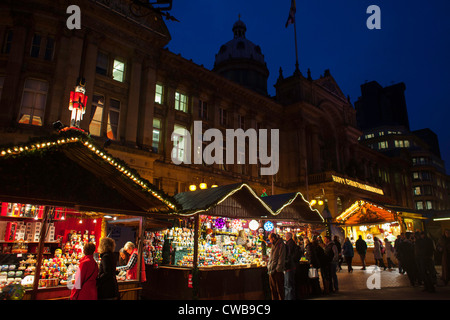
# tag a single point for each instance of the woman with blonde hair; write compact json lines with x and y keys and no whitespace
{"x":107,"y":287}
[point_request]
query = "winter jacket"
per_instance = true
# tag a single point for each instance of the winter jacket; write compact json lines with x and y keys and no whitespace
{"x":361,"y":246}
{"x":277,"y":257}
{"x":347,"y":249}
{"x":85,"y":287}
{"x":107,"y":287}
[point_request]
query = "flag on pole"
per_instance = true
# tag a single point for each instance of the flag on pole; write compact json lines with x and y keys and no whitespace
{"x":291,"y":17}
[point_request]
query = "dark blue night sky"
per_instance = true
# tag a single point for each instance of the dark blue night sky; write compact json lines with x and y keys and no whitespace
{"x":411,"y":47}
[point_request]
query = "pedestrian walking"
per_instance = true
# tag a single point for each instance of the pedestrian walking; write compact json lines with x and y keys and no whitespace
{"x":377,"y":253}
{"x":409,"y":263}
{"x":332,"y":256}
{"x":389,"y":249}
{"x":444,"y":249}
{"x":347,"y":252}
{"x":398,"y":252}
{"x":361,"y":248}
{"x":424,"y":251}
{"x":275,"y":266}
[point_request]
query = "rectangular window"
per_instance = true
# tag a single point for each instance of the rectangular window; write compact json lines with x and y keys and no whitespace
{"x":34,"y":98}
{"x":35,"y":46}
{"x":98,"y":104}
{"x":102,"y":63}
{"x":398,"y":143}
{"x":416,"y":176}
{"x":49,"y":49}
{"x":156,"y":136}
{"x":180,"y":102}
{"x":419,"y":205}
{"x":382,"y":145}
{"x":203,"y":109}
{"x":7,"y":41}
{"x":241,"y":121}
{"x":223,"y":117}
{"x":417,"y":191}
{"x":113,"y":119}
{"x":118,"y":70}
{"x":180,"y":143}
{"x":429,"y":205}
{"x":2,"y":80}
{"x":159,"y":94}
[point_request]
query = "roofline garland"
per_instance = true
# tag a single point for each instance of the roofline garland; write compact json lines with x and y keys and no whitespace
{"x":76,"y":137}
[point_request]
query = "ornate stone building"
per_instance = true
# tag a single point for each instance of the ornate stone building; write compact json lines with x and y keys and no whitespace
{"x":140,"y":93}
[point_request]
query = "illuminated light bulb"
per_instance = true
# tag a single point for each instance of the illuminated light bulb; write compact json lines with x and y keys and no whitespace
{"x":203,"y":185}
{"x":320,"y":202}
{"x":95,"y":220}
{"x":192,"y":187}
{"x":80,"y":222}
{"x":313,"y":202}
{"x":214,"y":186}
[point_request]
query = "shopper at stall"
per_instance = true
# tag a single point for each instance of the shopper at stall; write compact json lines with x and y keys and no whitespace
{"x":332,"y":258}
{"x":107,"y":287}
{"x":339,"y":249}
{"x":347,"y":252}
{"x":276,"y":265}
{"x":132,"y":266}
{"x":444,"y":249}
{"x":85,"y":287}
{"x":361,"y":248}
{"x":315,"y":255}
{"x":389,"y":249}
{"x":292,"y":258}
{"x":242,"y":240}
{"x":377,"y":253}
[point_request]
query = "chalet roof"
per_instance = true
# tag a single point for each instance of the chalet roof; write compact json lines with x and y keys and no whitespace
{"x":68,"y":169}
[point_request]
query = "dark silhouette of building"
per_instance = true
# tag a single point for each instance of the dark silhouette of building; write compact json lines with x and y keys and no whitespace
{"x":380,"y":106}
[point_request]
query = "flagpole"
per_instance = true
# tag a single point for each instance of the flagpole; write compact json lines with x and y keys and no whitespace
{"x":296,"y":48}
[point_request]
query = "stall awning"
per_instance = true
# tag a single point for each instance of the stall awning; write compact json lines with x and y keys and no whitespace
{"x":365,"y":212}
{"x":293,"y":206}
{"x":234,"y":201}
{"x":68,"y":169}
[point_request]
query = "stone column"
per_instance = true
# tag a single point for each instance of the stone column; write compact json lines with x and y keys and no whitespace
{"x":133,"y":101}
{"x":145,"y":135}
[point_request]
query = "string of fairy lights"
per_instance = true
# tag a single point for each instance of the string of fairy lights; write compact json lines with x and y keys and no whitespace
{"x":17,"y":150}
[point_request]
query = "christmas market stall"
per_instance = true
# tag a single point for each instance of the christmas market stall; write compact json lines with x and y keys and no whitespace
{"x":217,"y":249}
{"x":372,"y":220}
{"x":294,"y":214}
{"x":58,"y":193}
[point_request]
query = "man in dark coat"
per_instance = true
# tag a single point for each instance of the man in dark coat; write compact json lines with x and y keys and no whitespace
{"x":361,"y":248}
{"x":424,"y":251}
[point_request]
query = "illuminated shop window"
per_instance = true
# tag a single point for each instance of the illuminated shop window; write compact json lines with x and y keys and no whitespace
{"x":159,"y":94}
{"x":180,"y":102}
{"x":98,"y":104}
{"x":113,"y":119}
{"x":118,"y":70}
{"x":34,"y":98}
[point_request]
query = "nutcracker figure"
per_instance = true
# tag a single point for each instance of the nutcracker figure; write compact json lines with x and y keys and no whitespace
{"x":77,"y":103}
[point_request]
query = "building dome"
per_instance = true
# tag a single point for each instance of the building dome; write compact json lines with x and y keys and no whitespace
{"x":242,"y":61}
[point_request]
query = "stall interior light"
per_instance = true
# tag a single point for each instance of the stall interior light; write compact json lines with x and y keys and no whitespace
{"x":108,"y":217}
{"x":441,"y":219}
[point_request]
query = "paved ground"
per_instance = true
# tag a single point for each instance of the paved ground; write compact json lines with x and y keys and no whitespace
{"x":386,"y":285}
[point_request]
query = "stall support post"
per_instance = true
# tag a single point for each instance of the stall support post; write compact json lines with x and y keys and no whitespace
{"x":195,"y":258}
{"x":140,"y":247}
{"x":37,"y":273}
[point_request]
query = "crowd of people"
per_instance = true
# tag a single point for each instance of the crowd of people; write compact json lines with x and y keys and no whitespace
{"x":96,"y":280}
{"x":414,"y":253}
